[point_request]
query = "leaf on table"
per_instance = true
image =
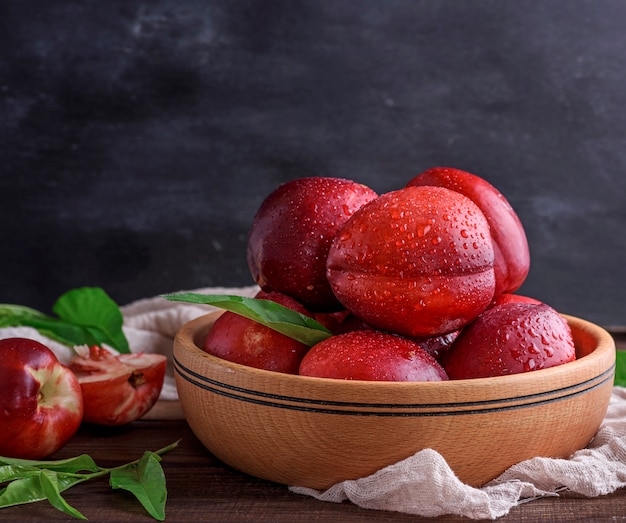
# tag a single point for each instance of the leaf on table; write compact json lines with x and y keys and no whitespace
{"x":29,"y":485}
{"x":81,"y":463}
{"x":22,"y":490}
{"x":52,"y":488}
{"x":28,"y":481}
{"x":146,"y":480}
{"x":11,"y":472}
{"x":298,"y":326}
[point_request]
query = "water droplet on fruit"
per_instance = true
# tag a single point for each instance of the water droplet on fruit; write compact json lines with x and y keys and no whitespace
{"x":529,"y":365}
{"x":464,"y":233}
{"x":422,"y":231}
{"x":436,"y":241}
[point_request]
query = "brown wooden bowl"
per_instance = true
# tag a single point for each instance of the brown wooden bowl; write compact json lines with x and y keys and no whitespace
{"x":315,"y":432}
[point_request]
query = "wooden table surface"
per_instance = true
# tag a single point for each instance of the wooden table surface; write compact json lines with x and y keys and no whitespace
{"x":200,"y":488}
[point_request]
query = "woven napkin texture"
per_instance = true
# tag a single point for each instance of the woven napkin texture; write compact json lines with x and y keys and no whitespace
{"x":422,"y":484}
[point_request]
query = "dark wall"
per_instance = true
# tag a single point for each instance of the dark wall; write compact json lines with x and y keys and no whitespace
{"x":137,"y":139}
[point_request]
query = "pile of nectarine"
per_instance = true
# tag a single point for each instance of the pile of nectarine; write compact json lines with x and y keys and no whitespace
{"x":414,"y":284}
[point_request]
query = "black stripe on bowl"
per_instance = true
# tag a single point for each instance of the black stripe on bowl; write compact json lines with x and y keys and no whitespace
{"x":391,"y":409}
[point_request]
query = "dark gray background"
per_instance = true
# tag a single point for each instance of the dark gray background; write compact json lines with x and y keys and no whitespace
{"x":137,"y":139}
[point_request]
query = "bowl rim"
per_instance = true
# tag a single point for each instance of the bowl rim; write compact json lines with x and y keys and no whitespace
{"x":605,"y":346}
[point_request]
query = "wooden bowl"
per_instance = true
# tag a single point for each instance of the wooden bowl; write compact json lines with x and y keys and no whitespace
{"x":315,"y":432}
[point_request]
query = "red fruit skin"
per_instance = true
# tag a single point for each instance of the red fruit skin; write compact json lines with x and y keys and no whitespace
{"x":41,"y":405}
{"x":507,"y":297}
{"x":118,"y":389}
{"x":247,"y":342}
{"x":372,"y":356}
{"x":292,"y":231}
{"x":511,"y":338}
{"x":417,"y":262}
{"x":512,"y":256}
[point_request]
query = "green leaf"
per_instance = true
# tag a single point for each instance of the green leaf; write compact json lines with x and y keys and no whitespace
{"x":11,"y":315}
{"x":620,"y":368}
{"x":51,"y":487}
{"x":93,"y":309}
{"x":298,"y":326}
{"x":146,"y":480}
{"x":86,"y":316}
{"x":55,"y":329}
{"x":29,"y":481}
{"x":80,"y":463}
{"x":38,"y":485}
{"x":22,"y":490}
{"x":11,"y":472}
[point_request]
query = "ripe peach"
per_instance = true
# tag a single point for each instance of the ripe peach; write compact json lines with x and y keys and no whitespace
{"x":241,"y":340}
{"x":371,"y":355}
{"x":291,"y":234}
{"x":511,"y":253}
{"x":417,"y":261}
{"x":510,"y":338}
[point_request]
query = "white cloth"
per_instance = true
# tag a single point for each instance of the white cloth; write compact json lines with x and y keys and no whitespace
{"x":422,"y":484}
